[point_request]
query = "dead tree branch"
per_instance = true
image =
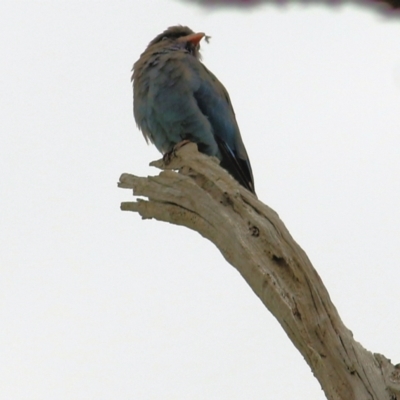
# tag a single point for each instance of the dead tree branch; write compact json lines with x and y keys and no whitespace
{"x":252,"y":238}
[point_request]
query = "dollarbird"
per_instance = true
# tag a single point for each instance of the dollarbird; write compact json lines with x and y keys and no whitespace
{"x":176,"y":99}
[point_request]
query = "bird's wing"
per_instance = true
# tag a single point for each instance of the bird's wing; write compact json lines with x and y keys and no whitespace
{"x":214,"y":102}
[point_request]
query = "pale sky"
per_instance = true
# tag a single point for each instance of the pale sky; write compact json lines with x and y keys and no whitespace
{"x":99,"y":304}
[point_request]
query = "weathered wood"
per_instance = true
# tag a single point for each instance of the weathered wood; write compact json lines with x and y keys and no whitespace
{"x":252,"y":238}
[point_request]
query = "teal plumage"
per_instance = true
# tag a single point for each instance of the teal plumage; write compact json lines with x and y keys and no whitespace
{"x":177,"y":98}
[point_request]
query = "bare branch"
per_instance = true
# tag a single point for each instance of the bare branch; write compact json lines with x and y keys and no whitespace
{"x":250,"y":235}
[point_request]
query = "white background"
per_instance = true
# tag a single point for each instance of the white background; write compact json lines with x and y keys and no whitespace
{"x":98,"y":304}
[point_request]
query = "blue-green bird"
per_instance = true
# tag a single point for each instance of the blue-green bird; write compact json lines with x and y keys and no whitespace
{"x":177,"y":98}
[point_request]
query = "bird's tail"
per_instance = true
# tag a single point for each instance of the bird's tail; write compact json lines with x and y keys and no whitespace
{"x":240,"y":169}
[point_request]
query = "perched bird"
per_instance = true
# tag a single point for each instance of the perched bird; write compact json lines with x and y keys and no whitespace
{"x":176,"y":98}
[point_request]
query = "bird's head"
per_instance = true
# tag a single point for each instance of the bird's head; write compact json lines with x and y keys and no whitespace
{"x":179,"y":37}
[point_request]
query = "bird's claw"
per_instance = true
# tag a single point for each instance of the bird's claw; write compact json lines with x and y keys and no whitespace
{"x":167,"y":157}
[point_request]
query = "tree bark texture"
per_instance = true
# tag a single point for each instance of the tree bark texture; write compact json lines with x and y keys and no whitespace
{"x":252,"y":238}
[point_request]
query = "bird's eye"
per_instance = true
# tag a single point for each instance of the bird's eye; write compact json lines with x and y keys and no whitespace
{"x":164,"y":38}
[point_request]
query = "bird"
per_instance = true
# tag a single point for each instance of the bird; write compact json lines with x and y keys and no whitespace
{"x":177,"y":99}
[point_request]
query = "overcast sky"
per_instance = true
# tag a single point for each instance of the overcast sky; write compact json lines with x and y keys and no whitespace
{"x":98,"y":304}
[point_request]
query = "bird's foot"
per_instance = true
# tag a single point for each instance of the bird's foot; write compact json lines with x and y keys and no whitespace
{"x":167,"y":157}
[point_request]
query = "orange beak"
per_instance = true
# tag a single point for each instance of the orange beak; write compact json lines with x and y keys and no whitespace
{"x":193,"y":38}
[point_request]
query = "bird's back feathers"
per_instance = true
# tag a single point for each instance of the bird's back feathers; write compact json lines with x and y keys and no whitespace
{"x":176,"y":98}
